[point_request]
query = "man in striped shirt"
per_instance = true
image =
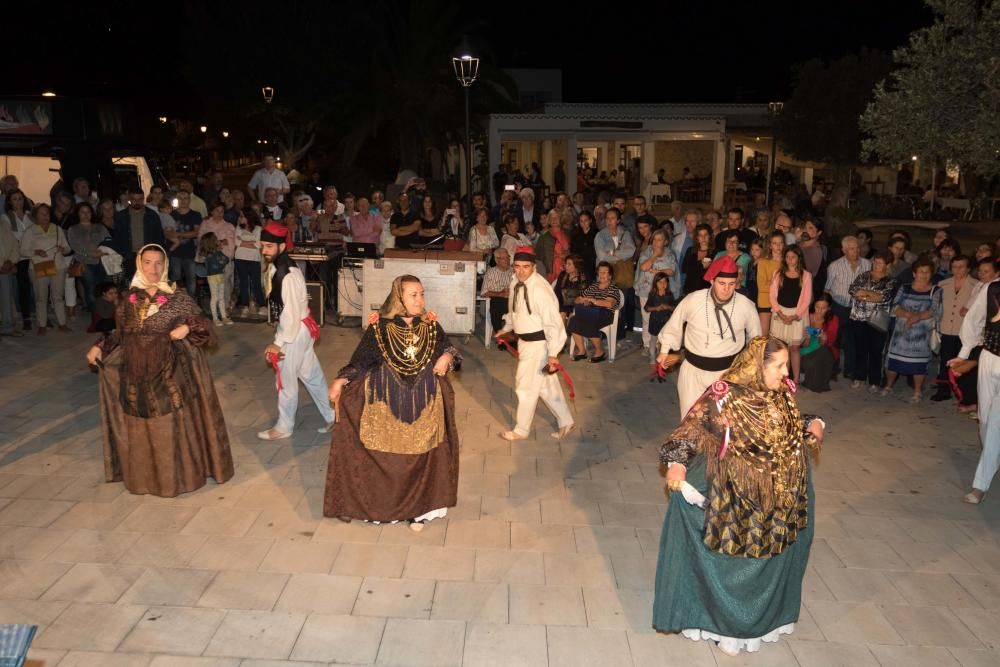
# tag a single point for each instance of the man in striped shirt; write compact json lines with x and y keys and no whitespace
{"x":496,"y":287}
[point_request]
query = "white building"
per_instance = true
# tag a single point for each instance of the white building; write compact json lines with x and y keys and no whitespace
{"x":711,"y":140}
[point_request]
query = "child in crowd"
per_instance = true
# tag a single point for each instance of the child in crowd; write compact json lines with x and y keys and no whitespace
{"x":102,"y":320}
{"x":169,"y":225}
{"x":660,"y":304}
{"x":215,"y":268}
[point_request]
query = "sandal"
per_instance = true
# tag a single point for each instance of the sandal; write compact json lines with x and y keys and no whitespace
{"x":973,"y":499}
{"x":512,"y":435}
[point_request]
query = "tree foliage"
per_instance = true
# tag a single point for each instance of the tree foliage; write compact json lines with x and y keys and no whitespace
{"x":943,"y":99}
{"x":819,"y":122}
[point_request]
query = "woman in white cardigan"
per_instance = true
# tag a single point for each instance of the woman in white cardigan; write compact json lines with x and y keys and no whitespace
{"x":44,"y":244}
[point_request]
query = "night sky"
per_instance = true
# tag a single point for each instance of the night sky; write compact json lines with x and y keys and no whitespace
{"x":681,"y":52}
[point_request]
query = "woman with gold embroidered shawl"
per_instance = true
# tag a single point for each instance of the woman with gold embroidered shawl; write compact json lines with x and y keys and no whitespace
{"x":164,"y":433}
{"x":739,"y":525}
{"x":394,"y":454}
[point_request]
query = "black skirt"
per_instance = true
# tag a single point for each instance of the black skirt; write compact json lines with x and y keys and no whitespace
{"x":588,"y":321}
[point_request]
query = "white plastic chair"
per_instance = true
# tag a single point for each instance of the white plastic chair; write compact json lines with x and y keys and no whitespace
{"x":487,"y":322}
{"x":610,"y":332}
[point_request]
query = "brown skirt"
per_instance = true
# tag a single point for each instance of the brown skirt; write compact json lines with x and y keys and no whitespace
{"x":170,"y":454}
{"x":374,"y":485}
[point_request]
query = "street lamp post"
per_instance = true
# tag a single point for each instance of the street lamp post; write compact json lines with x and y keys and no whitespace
{"x":775,"y":108}
{"x":467,"y":71}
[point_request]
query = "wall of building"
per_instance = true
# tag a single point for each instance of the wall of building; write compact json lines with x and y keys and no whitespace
{"x":673,"y":156}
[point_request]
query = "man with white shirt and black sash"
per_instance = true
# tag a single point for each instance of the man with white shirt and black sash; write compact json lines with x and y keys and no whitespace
{"x":534,"y":317}
{"x":719,"y":322}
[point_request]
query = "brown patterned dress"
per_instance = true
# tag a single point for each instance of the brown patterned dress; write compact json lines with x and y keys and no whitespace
{"x":394,"y":452}
{"x":164,"y":433}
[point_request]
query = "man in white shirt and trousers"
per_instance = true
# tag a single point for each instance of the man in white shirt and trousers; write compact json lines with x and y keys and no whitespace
{"x":534,"y":317}
{"x":719,"y":322}
{"x":292,"y":352}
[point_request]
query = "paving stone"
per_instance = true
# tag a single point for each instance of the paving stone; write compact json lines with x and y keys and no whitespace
{"x":419,"y":643}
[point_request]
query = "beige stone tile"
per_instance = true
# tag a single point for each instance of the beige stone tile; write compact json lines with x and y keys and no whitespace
{"x":773,"y":655}
{"x":491,"y":645}
{"x":870,"y":554}
{"x":31,"y":612}
{"x":244,"y":590}
{"x":163,"y":550}
{"x":853,"y":623}
{"x":158,"y":519}
{"x":400,"y":533}
{"x":270,"y":497}
{"x":103,"y":659}
{"x":28,"y":579}
{"x":984,"y":624}
{"x":588,"y":647}
{"x":180,"y":587}
{"x":525,"y":485}
{"x":806,"y":628}
{"x":401,"y":598}
{"x":821,"y":555}
{"x":174,"y":630}
{"x":370,"y":560}
{"x":607,"y":540}
{"x":925,"y":588}
{"x":39,"y":657}
{"x":89,"y":582}
{"x":592,"y":570}
{"x":300,"y":556}
{"x":913,"y":656}
{"x":970,"y":658}
{"x":929,"y":626}
{"x":283,"y":523}
{"x":187,"y":661}
{"x":339,"y":639}
{"x":594,"y":490}
{"x":511,"y":567}
{"x":92,"y":546}
{"x":634,"y":572}
{"x":35,"y":513}
{"x":231,"y":553}
{"x":90,"y":627}
{"x":570,"y":512}
{"x":256,"y":634}
{"x":469,"y":508}
{"x":442,"y":563}
{"x":831,"y":654}
{"x":98,"y":515}
{"x":228,"y":521}
{"x":985,"y":588}
{"x":524,"y":510}
{"x":663,"y":650}
{"x":420,"y":643}
{"x":814,"y":588}
{"x":547,"y":605}
{"x":619,"y":609}
{"x":934,"y":530}
{"x":321,"y":593}
{"x":280,"y":663}
{"x":934,"y":557}
{"x":469,"y":601}
{"x":984,"y":557}
{"x":334,"y":530}
{"x":852,"y":585}
{"x":506,"y":465}
{"x":485,"y":533}
{"x":544,"y":537}
{"x":486,"y":484}
{"x":616,"y":469}
{"x":91,"y":490}
{"x":861,"y":527}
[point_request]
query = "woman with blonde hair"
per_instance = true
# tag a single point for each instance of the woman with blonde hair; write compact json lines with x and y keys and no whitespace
{"x":394,"y":454}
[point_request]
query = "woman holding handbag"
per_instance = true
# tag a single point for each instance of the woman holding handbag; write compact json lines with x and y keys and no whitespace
{"x":871,"y":294}
{"x":44,"y":243}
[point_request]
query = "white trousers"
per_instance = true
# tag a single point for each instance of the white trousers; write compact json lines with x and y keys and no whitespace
{"x":69,"y":292}
{"x":44,"y":286}
{"x":988,"y":382}
{"x":217,"y":305}
{"x":645,"y":321}
{"x":532,"y":383}
{"x":300,"y":363}
{"x":692,"y":383}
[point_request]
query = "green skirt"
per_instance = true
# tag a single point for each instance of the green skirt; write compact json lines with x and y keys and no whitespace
{"x":736,"y":597}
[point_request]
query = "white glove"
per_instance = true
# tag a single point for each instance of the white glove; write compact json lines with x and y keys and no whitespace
{"x":692,"y":495}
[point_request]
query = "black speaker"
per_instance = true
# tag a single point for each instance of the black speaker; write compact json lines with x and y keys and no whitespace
{"x":316,"y":294}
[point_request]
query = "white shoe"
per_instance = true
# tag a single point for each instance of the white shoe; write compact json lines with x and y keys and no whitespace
{"x":271,"y":434}
{"x":885,"y":391}
{"x":218,"y":323}
{"x":872,"y":389}
{"x":856,"y":384}
{"x":227,"y":321}
{"x":244,"y":311}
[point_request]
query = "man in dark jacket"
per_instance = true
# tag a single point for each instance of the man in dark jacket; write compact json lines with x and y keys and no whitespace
{"x":135,"y":227}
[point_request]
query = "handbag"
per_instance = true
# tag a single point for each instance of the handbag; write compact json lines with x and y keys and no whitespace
{"x":45,"y":269}
{"x":624,"y":274}
{"x":75,"y":270}
{"x":880,"y":320}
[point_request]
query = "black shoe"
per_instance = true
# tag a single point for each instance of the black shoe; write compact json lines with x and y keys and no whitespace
{"x":597,"y":360}
{"x":578,"y":357}
{"x":941,"y":396}
{"x":27,"y":325}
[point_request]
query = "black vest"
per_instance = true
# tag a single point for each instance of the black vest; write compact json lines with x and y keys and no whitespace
{"x":991,"y":333}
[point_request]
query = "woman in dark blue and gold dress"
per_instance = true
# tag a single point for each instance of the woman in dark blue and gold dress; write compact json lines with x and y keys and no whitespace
{"x":394,"y":454}
{"x":739,"y":525}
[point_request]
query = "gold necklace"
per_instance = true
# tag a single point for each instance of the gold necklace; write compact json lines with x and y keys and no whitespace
{"x":407,"y":350}
{"x":765,"y":435}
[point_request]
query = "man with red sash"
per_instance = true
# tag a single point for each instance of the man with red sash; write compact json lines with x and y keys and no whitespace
{"x":291,"y":353}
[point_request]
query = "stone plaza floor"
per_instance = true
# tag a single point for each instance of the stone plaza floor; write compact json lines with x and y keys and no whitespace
{"x":548,"y":559}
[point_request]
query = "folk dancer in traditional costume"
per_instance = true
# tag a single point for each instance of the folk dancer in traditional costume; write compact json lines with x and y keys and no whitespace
{"x":164,"y":433}
{"x":981,"y":327}
{"x":292,"y":352}
{"x":534,"y":317}
{"x":719,"y":322}
{"x":394,"y":452}
{"x":733,"y":554}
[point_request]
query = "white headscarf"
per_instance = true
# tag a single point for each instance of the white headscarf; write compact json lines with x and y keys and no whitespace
{"x":139,"y":280}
